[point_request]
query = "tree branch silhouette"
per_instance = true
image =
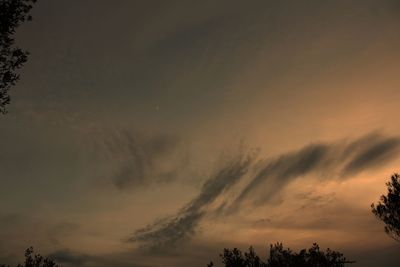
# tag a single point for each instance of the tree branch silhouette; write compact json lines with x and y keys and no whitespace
{"x":388,"y":208}
{"x":12,"y":14}
{"x":35,"y":260}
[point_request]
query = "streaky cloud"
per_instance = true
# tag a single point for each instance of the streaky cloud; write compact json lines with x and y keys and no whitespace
{"x":136,"y":159}
{"x":375,"y":154}
{"x":285,"y":168}
{"x":69,"y":257}
{"x":168,"y":232}
{"x":267,"y":180}
{"x":339,"y":159}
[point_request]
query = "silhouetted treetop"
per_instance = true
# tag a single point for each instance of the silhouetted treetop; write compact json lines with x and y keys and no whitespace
{"x":281,"y":257}
{"x":12,"y":14}
{"x":35,"y":260}
{"x":388,"y":208}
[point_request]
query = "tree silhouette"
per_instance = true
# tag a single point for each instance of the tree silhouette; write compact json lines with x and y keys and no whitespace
{"x":35,"y":260}
{"x":281,"y":257}
{"x":12,"y":14}
{"x":388,"y":208}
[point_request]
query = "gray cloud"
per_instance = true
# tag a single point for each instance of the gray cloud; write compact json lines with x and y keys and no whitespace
{"x":292,"y":222}
{"x":315,"y":201}
{"x":169,"y":231}
{"x":337,"y":159}
{"x":135,"y":159}
{"x":69,"y":257}
{"x":59,"y":231}
{"x":196,"y":255}
{"x":285,"y":168}
{"x":377,"y":152}
{"x":304,"y":202}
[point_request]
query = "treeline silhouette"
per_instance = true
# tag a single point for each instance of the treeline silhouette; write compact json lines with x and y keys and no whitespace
{"x":284,"y":257}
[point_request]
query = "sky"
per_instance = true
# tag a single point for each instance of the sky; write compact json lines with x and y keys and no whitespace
{"x":157,"y":133}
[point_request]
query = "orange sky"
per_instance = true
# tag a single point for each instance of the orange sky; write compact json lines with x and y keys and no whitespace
{"x":126,"y":115}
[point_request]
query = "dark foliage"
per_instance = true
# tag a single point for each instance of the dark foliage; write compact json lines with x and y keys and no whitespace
{"x":388,"y":208}
{"x":281,"y":257}
{"x":12,"y":14}
{"x":35,"y":260}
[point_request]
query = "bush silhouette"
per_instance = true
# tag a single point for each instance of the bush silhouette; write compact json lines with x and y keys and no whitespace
{"x":388,"y":208}
{"x":35,"y":260}
{"x":281,"y":257}
{"x":12,"y":14}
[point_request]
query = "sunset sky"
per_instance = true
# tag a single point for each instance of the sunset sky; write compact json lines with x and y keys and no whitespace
{"x":156,"y":133}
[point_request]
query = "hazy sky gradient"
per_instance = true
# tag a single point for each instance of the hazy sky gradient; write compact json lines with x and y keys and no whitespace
{"x":156,"y":133}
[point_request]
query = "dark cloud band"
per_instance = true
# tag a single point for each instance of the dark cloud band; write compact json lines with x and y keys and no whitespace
{"x":339,"y":159}
{"x":169,"y":231}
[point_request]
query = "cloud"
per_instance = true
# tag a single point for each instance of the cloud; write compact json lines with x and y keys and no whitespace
{"x":374,"y":154}
{"x":133,"y":159}
{"x":328,"y":160}
{"x":69,"y":257}
{"x":285,"y":168}
{"x":339,"y":159}
{"x":195,"y":255}
{"x":59,"y":231}
{"x":308,"y":204}
{"x":170,"y":231}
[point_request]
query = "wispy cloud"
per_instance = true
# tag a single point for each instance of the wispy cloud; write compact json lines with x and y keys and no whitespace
{"x":135,"y":159}
{"x":169,"y":231}
{"x":69,"y":257}
{"x":339,"y":159}
{"x":330,"y":160}
{"x":285,"y":168}
{"x":373,"y":152}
